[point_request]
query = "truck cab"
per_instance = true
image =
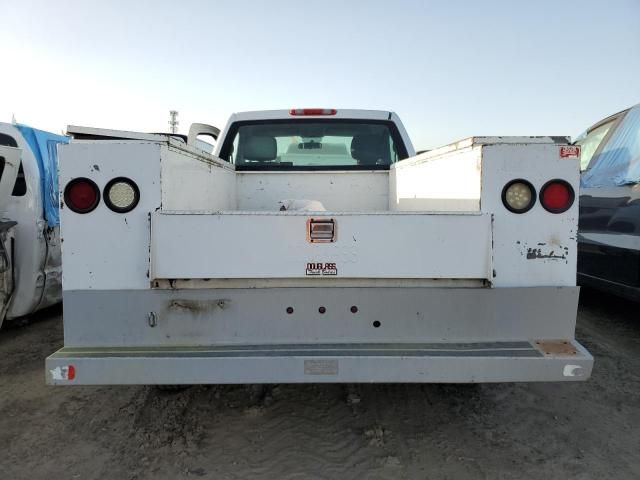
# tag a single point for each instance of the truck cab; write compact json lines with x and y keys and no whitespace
{"x":313,"y":245}
{"x":29,"y":221}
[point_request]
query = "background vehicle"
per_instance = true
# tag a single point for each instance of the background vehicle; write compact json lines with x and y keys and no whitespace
{"x":609,"y":231}
{"x":314,"y":246}
{"x":30,"y":259}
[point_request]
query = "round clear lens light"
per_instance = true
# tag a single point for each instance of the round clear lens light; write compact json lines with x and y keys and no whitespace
{"x":518,"y":196}
{"x":122,"y":195}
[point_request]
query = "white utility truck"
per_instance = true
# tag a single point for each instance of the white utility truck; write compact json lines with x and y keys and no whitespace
{"x":313,"y":245}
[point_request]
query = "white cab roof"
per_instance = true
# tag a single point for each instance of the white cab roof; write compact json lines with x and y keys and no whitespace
{"x":285,"y":115}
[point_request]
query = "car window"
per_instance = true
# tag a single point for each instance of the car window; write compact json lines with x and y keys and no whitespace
{"x":589,"y":142}
{"x":20,"y":187}
{"x":618,"y":161}
{"x":298,"y":144}
{"x":8,"y":141}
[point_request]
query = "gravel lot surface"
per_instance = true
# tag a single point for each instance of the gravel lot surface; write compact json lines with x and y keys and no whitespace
{"x":585,"y":430}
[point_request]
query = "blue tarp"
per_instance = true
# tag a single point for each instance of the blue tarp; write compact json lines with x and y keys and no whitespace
{"x":45,"y":148}
{"x":618,"y":163}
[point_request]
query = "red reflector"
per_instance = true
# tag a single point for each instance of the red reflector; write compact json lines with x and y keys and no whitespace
{"x":71,"y":372}
{"x":312,"y":111}
{"x":569,"y":151}
{"x":81,"y":195}
{"x":557,"y":196}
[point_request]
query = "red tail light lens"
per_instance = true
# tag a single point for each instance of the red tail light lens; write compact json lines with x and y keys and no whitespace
{"x":557,"y":196}
{"x":81,"y":195}
{"x":312,"y":111}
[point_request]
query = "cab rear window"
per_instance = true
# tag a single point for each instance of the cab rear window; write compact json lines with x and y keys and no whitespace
{"x":313,"y":145}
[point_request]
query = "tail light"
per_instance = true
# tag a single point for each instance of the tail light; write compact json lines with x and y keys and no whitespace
{"x":557,"y":196}
{"x":312,"y":111}
{"x":121,"y":195}
{"x":518,"y":196}
{"x":81,"y":195}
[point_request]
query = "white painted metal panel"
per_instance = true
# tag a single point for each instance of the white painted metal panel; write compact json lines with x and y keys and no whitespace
{"x":345,"y":191}
{"x":275,"y":246}
{"x":446,"y":182}
{"x":196,"y":182}
{"x":348,"y":363}
{"x":341,"y":113}
{"x":108,"y":133}
{"x":495,"y":140}
{"x":536,"y":248}
{"x":103,"y":249}
{"x":254,"y":316}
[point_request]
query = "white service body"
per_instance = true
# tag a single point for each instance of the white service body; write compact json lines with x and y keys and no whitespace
{"x":428,"y":278}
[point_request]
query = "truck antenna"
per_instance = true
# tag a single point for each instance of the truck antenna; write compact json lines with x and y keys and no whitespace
{"x":173,"y":121}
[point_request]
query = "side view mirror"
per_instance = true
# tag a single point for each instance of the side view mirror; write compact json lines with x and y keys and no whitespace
{"x":197,"y":129}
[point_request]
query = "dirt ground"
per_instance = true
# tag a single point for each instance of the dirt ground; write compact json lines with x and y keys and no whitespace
{"x":522,"y":431}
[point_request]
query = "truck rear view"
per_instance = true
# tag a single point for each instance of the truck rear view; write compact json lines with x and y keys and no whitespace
{"x":315,"y":246}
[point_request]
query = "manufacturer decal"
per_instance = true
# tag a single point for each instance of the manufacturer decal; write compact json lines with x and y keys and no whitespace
{"x":570,"y":151}
{"x":319,"y":269}
{"x":321,"y":367}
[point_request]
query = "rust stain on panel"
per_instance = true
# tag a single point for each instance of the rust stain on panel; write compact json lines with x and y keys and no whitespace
{"x":199,"y":306}
{"x":556,"y":347}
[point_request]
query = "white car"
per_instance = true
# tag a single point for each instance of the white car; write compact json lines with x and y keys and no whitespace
{"x":30,"y":259}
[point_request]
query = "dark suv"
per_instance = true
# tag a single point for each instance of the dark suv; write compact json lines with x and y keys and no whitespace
{"x":609,"y":231}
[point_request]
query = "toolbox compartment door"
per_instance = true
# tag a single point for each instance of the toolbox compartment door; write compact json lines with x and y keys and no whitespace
{"x":187,"y":245}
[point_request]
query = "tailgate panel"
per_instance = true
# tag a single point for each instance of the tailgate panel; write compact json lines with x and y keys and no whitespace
{"x":268,"y":245}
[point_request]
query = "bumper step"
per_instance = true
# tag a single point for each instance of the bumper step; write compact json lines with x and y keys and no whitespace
{"x":319,"y":363}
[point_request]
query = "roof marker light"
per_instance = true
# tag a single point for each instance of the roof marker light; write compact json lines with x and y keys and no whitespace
{"x":312,"y":111}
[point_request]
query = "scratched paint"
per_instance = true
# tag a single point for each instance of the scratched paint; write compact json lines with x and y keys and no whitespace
{"x":537,"y":253}
{"x":199,"y":306}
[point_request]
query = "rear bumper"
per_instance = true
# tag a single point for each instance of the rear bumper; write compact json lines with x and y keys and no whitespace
{"x":512,"y":361}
